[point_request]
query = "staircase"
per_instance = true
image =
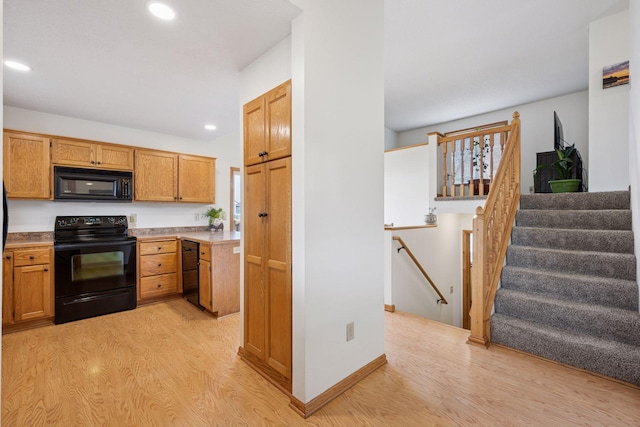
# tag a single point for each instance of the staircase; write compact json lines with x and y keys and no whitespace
{"x":568,"y":289}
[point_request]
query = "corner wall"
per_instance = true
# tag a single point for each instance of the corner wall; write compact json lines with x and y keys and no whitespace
{"x":634,"y":127}
{"x":338,"y":145}
{"x":608,"y":108}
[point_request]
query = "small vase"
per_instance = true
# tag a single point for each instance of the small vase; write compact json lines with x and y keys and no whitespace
{"x":216,"y":225}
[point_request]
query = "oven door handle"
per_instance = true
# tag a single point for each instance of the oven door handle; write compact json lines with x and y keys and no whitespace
{"x":84,"y":245}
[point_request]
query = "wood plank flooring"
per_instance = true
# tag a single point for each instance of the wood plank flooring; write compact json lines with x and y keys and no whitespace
{"x":169,"y":364}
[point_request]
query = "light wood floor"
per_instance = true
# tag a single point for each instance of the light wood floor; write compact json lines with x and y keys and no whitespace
{"x":169,"y":364}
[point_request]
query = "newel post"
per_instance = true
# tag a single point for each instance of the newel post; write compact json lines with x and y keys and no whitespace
{"x":479,"y":332}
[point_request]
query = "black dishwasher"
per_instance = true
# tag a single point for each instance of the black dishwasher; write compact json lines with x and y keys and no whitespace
{"x":190,"y":282}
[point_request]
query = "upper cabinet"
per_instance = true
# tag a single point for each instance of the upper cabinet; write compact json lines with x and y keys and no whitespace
{"x":267,"y":126}
{"x":155,"y":176}
{"x":26,"y":166}
{"x":196,"y":179}
{"x":89,"y":154}
{"x":161,"y":176}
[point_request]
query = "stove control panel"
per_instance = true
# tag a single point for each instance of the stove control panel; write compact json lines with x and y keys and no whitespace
{"x":90,"y":221}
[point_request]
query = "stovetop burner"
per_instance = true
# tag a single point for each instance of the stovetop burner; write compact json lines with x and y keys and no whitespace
{"x":91,"y":229}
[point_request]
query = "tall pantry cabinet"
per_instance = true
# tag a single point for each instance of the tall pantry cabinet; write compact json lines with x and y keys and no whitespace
{"x":267,"y":235}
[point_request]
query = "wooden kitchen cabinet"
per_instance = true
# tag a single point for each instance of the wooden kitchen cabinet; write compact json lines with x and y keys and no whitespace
{"x":157,"y":268}
{"x":27,"y":285}
{"x":219,"y":276}
{"x":72,"y":152}
{"x":267,"y":126}
{"x":267,"y":269}
{"x":26,"y":166}
{"x":155,"y":176}
{"x":161,"y":176}
{"x":196,"y":179}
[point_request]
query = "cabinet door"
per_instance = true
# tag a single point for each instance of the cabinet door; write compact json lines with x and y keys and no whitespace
{"x":7,"y":288}
{"x":254,"y":131}
{"x":225,"y":278}
{"x":32,"y":297}
{"x":254,"y":292}
{"x":197,"y":181}
{"x":278,"y":265}
{"x":155,"y":176}
{"x":72,"y":153}
{"x":204,"y":277}
{"x":114,"y":157}
{"x":26,"y":166}
{"x":278,"y":122}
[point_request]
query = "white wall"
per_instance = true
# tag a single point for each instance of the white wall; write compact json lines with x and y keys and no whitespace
{"x":338,"y":143}
{"x":536,"y":129}
{"x":608,"y":108}
{"x":390,"y":139}
{"x":32,"y":215}
{"x":634,"y":128}
{"x":439,"y":251}
{"x":406,"y":186}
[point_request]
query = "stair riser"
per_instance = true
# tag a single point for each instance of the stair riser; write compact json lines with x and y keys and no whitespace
{"x":592,"y":201}
{"x":613,"y":362}
{"x":584,"y":220}
{"x":585,"y":289}
{"x":619,"y":266}
{"x":597,"y":240}
{"x":606,"y":324}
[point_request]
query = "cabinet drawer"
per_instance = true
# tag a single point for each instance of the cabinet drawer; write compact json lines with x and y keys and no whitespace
{"x":205,"y":252}
{"x":161,"y":247}
{"x":150,"y":265}
{"x":31,"y":257}
{"x":156,"y":286}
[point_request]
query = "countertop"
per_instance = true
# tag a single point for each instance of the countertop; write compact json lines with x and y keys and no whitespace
{"x":27,"y":240}
{"x":213,"y":237}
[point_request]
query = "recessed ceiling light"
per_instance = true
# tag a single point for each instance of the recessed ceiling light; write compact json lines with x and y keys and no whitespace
{"x":17,"y":65}
{"x":210,"y":127}
{"x":162,"y":11}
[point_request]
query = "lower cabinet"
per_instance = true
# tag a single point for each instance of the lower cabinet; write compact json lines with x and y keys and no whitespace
{"x":219,"y":277}
{"x":157,"y":268}
{"x":27,"y":285}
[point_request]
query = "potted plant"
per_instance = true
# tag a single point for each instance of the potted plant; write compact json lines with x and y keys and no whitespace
{"x":480,"y":165}
{"x":215,"y":216}
{"x":563,"y":166}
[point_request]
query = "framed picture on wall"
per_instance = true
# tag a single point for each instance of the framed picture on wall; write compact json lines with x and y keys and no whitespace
{"x":615,"y":75}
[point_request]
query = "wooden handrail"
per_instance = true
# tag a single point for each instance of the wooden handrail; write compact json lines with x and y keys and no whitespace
{"x":404,"y":246}
{"x":491,"y":231}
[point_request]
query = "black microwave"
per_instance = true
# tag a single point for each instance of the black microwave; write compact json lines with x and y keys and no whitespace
{"x":94,"y":185}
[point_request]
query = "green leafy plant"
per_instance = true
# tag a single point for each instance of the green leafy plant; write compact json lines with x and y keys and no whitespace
{"x":215,"y":213}
{"x":563,"y":164}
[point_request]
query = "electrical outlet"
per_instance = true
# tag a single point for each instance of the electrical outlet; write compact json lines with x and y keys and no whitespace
{"x":236,"y":250}
{"x":350,"y":331}
{"x":197,"y":217}
{"x":451,"y":289}
{"x":133,"y":218}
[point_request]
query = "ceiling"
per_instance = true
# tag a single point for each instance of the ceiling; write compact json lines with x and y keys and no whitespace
{"x":112,"y":62}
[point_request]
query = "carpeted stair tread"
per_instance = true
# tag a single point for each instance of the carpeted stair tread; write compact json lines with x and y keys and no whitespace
{"x":575,"y":219}
{"x":610,"y":358}
{"x":603,"y":322}
{"x":620,"y":241}
{"x":605,"y":264}
{"x":603,"y":291}
{"x":576,"y":201}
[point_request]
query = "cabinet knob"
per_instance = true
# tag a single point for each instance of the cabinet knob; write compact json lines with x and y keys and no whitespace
{"x":159,"y":248}
{"x":159,"y":285}
{"x":262,"y":214}
{"x":92,"y":162}
{"x":8,"y":257}
{"x":159,"y":265}
{"x":99,"y":163}
{"x":32,"y":257}
{"x":46,"y":269}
